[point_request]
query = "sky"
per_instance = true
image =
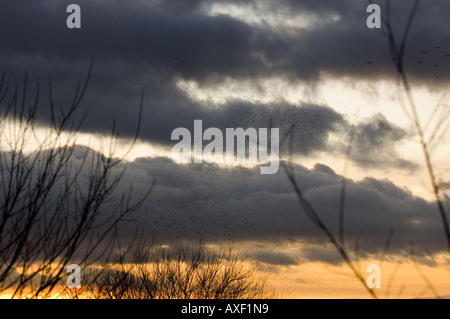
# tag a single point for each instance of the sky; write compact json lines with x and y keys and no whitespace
{"x":314,"y":70}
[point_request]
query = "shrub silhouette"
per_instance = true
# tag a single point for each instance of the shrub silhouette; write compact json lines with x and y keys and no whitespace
{"x":182,"y":272}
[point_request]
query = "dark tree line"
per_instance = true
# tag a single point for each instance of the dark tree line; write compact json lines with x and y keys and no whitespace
{"x":179,"y":272}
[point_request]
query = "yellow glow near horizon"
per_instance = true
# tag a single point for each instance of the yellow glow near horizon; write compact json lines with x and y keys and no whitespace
{"x":398,"y":281}
{"x":310,"y":280}
{"x":401,"y":276}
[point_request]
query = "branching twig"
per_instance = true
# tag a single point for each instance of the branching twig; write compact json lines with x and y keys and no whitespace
{"x":398,"y":54}
{"x":317,"y":221}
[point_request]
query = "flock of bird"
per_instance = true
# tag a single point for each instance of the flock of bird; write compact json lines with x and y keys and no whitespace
{"x":420,"y":61}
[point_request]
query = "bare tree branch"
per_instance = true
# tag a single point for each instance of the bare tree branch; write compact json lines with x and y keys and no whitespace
{"x":52,"y":203}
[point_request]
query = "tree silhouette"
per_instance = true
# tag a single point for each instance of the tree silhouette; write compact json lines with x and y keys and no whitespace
{"x":57,"y":200}
{"x":180,"y":272}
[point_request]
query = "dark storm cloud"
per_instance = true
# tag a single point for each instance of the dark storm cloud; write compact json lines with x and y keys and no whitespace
{"x":137,"y":47}
{"x":320,"y":253}
{"x":375,"y":144}
{"x":274,"y":258}
{"x":310,"y":125}
{"x":194,"y":45}
{"x":145,"y":46}
{"x":153,"y":44}
{"x":340,"y":43}
{"x":190,"y":46}
{"x":203,"y":202}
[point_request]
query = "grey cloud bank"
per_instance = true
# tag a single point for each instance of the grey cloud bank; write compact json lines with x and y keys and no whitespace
{"x":202,"y":202}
